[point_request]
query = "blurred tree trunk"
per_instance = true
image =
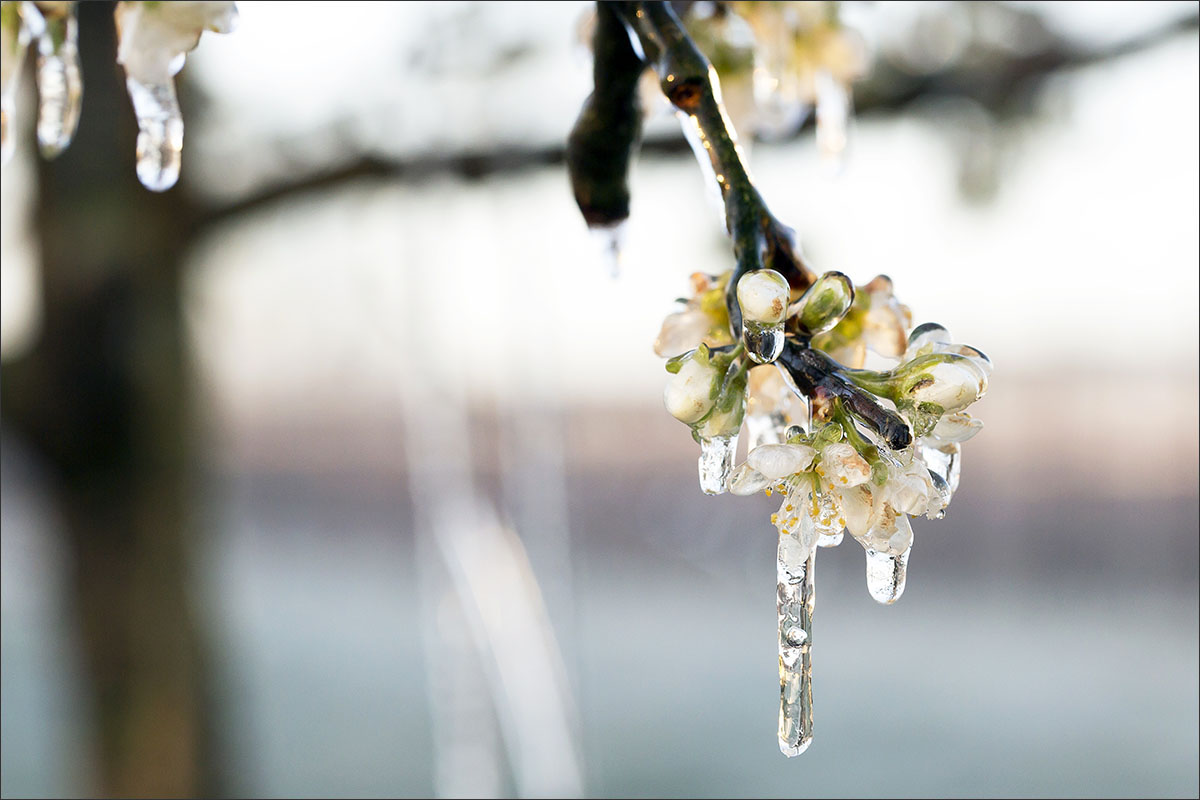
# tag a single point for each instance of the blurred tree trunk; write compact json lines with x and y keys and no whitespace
{"x":103,"y":399}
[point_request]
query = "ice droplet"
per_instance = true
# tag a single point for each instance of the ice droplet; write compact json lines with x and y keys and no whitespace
{"x":763,"y":343}
{"x":795,"y":598}
{"x":608,"y":240}
{"x":886,"y":575}
{"x":830,"y":539}
{"x":160,"y":133}
{"x":60,"y":87}
{"x":716,"y":463}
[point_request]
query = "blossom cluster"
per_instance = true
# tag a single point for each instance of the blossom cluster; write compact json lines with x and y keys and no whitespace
{"x":833,"y":471}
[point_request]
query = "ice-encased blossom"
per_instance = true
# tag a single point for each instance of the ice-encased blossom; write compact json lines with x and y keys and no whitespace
{"x":703,"y":320}
{"x":772,"y":406}
{"x":876,"y":321}
{"x":154,"y":37}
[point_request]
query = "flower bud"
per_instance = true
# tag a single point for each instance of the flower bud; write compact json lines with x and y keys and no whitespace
{"x":692,"y":389}
{"x":949,"y":381}
{"x":826,"y":302}
{"x":763,"y":298}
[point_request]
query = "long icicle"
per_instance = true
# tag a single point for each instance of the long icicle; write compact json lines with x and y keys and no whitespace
{"x":796,"y":593}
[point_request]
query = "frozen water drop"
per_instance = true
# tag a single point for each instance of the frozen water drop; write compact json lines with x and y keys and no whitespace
{"x":795,"y":636}
{"x":160,"y":133}
{"x":830,"y":539}
{"x":60,"y":87}
{"x":886,"y":575}
{"x":716,"y":463}
{"x":609,"y":240}
{"x":763,"y":343}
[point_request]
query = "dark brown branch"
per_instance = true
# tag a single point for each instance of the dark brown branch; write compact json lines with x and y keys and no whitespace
{"x":609,"y":127}
{"x":888,"y":90}
{"x":820,"y":378}
{"x":689,"y":82}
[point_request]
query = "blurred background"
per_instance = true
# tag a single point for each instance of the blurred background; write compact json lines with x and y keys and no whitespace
{"x":342,"y":469}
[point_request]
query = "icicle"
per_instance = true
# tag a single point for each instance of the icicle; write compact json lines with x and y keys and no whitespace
{"x":833,"y":118}
{"x":886,"y":575}
{"x":716,"y":463}
{"x":763,"y":343}
{"x":160,"y":133}
{"x":60,"y":88}
{"x":14,"y":40}
{"x":155,"y":39}
{"x":608,"y":239}
{"x":796,"y":593}
{"x":946,"y":461}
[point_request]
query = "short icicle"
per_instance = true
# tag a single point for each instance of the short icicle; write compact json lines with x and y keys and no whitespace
{"x":160,"y":133}
{"x":60,"y":87}
{"x":886,"y":575}
{"x":796,"y":593}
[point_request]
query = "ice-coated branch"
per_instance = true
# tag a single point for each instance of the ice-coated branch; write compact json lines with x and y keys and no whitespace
{"x":609,"y":127}
{"x":690,"y":83}
{"x":820,"y":377}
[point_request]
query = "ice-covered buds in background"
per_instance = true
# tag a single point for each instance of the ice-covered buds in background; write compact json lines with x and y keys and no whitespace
{"x":763,"y":297}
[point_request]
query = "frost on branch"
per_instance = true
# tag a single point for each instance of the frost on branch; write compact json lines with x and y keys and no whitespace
{"x":774,"y":346}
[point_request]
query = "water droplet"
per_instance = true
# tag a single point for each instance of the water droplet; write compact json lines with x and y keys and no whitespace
{"x":886,"y":575}
{"x":160,"y":133}
{"x":946,"y":463}
{"x":795,"y":636}
{"x":763,"y":343}
{"x":60,"y":87}
{"x":716,"y":463}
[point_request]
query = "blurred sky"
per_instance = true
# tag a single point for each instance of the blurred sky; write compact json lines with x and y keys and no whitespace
{"x":1046,"y":643}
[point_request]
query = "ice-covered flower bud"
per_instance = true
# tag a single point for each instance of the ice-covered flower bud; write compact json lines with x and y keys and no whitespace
{"x":948,"y":381}
{"x":763,"y":297}
{"x":825,"y":302}
{"x":777,"y":461}
{"x":692,"y":390}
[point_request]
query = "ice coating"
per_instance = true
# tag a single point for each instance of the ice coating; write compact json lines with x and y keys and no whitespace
{"x":160,"y":133}
{"x":716,"y":463}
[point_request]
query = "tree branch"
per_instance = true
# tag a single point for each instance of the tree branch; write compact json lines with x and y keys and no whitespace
{"x":690,"y":83}
{"x":609,"y":128}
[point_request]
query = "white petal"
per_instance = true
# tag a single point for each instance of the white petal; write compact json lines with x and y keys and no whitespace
{"x":843,"y":466}
{"x":746,"y":480}
{"x":681,"y":331}
{"x":777,"y":461}
{"x":956,"y":427}
{"x":857,"y":507}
